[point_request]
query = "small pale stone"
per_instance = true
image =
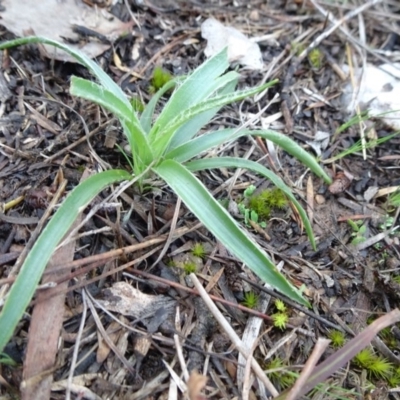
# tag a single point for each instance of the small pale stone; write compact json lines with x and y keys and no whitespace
{"x":329,"y":281}
{"x":319,"y":199}
{"x":254,"y":15}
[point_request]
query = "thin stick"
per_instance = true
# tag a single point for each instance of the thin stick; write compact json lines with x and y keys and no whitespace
{"x":76,"y":348}
{"x":336,"y":24}
{"x":181,"y":359}
{"x":171,"y":237}
{"x":308,"y":369}
{"x":232,"y":335}
{"x":107,"y":339}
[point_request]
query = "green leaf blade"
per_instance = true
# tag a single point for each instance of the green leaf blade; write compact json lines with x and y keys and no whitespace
{"x":195,"y":88}
{"x":234,"y":162}
{"x":35,"y":263}
{"x":97,"y":94}
{"x":147,"y":115}
{"x":224,"y":85}
{"x":94,"y":68}
{"x":218,"y":221}
{"x":196,"y":146}
{"x":162,"y":141}
{"x":132,"y":129}
{"x":291,"y":147}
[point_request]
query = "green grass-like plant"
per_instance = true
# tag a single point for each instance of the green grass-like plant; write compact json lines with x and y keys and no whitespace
{"x":162,"y":147}
{"x":190,"y":267}
{"x":250,"y":299}
{"x":359,"y":146}
{"x":359,"y":231}
{"x":198,"y":250}
{"x":338,"y":338}
{"x":280,"y":305}
{"x":376,"y":366}
{"x":249,"y":191}
{"x":276,"y":371}
{"x":250,"y":216}
{"x":160,"y":78}
{"x":280,"y":319}
{"x":394,"y":199}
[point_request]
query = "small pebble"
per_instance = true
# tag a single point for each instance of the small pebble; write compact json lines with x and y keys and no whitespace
{"x":254,"y":15}
{"x":319,"y":199}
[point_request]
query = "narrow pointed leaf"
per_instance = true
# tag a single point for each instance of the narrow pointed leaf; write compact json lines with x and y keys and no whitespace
{"x":207,"y":141}
{"x":132,"y":129}
{"x":32,"y":269}
{"x":97,"y":94}
{"x":225,"y":85}
{"x":195,"y":88}
{"x":218,"y":221}
{"x":291,"y":147}
{"x":94,"y":68}
{"x":196,"y":146}
{"x":234,"y":162}
{"x":162,"y":140}
{"x":147,"y":115}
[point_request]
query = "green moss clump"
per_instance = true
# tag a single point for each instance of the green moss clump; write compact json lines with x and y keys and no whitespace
{"x":137,"y":104}
{"x":280,"y":320}
{"x":171,"y":263}
{"x":280,"y":305}
{"x":388,"y":338}
{"x":189,"y":267}
{"x":160,"y":78}
{"x":257,"y":204}
{"x":278,"y":373}
{"x":266,"y":201}
{"x":394,"y":379}
{"x":338,"y":338}
{"x":376,"y":366}
{"x":250,"y":300}
{"x":198,"y":250}
{"x":396,"y":279}
{"x":316,"y":57}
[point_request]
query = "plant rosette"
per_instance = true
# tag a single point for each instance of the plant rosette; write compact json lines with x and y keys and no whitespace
{"x":163,"y":147}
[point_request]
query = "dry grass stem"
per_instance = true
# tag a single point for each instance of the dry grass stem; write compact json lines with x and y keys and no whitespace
{"x":232,"y":335}
{"x":320,"y":347}
{"x":76,"y":347}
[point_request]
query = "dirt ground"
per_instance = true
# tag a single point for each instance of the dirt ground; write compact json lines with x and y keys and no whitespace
{"x":132,"y":351}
